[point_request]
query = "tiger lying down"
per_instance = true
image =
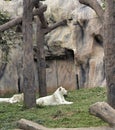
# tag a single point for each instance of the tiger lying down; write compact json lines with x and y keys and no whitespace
{"x":57,"y":98}
{"x":14,"y":99}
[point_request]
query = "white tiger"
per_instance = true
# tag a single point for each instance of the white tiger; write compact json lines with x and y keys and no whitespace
{"x":56,"y":98}
{"x":14,"y":99}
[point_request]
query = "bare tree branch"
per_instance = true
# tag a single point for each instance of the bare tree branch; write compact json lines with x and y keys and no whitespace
{"x":43,"y":20}
{"x":10,"y":24}
{"x":41,"y":9}
{"x":54,"y":26}
{"x":18,"y":20}
{"x":94,"y":5}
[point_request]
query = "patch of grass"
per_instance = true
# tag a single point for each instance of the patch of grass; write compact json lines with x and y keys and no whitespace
{"x":69,"y":116}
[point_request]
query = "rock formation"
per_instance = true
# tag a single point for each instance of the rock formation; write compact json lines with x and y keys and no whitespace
{"x":74,"y":53}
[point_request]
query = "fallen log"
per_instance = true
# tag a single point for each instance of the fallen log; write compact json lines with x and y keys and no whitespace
{"x":29,"y":125}
{"x":103,"y":111}
{"x":18,"y":20}
{"x":24,"y":124}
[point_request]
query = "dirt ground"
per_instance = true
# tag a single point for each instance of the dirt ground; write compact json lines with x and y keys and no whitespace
{"x":91,"y":128}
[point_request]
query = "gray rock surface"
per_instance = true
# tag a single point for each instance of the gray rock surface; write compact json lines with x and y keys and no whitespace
{"x":74,"y":52}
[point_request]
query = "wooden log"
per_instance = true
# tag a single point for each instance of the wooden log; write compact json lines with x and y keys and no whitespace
{"x":24,"y":124}
{"x":29,"y":125}
{"x":18,"y":20}
{"x":103,"y":111}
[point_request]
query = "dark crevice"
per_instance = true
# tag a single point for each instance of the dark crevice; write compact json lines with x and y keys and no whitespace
{"x":2,"y":69}
{"x":77,"y":81}
{"x":83,"y":76}
{"x":81,"y":28}
{"x":98,"y":39}
{"x":84,"y":71}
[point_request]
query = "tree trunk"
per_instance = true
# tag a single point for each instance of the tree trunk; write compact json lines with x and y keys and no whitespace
{"x":28,"y":69}
{"x":109,"y":49}
{"x":108,"y":20}
{"x":42,"y":29}
{"x":41,"y":64}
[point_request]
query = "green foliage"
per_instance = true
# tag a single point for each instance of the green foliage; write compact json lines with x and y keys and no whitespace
{"x":5,"y":49}
{"x":4,"y":17}
{"x":3,"y":41}
{"x":69,"y":116}
{"x":103,"y":5}
{"x":9,"y":39}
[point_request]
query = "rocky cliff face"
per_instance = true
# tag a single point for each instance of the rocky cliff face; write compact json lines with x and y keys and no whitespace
{"x":84,"y":67}
{"x":82,"y":36}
